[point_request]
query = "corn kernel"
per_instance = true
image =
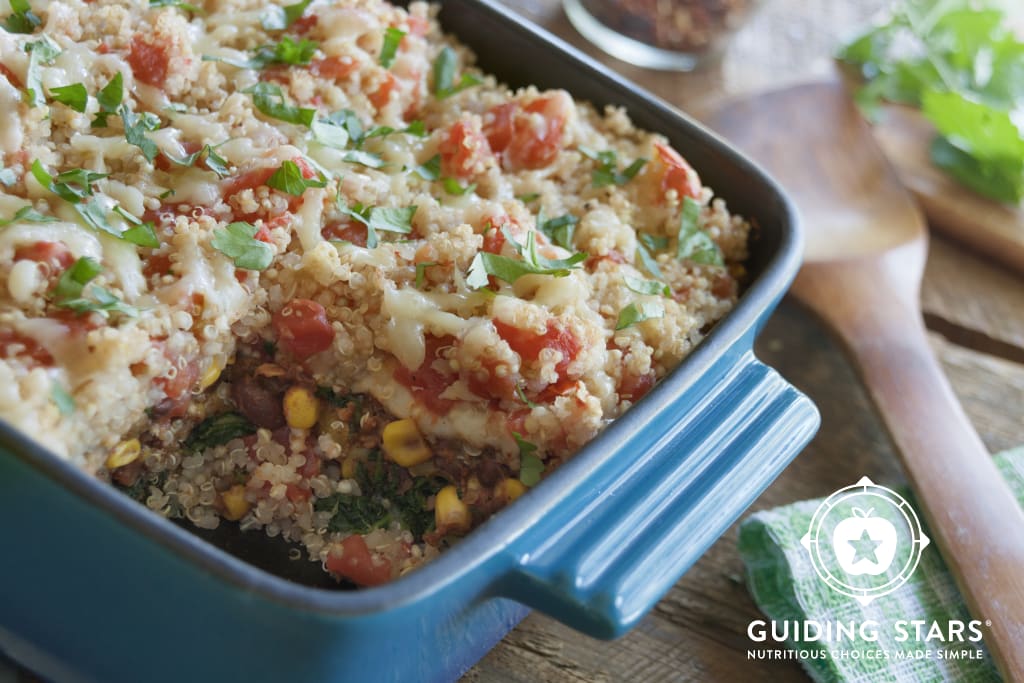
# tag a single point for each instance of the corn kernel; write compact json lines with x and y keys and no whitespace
{"x":301,"y":408}
{"x":510,"y":489}
{"x":211,"y":375}
{"x":235,"y":504}
{"x":450,"y":514}
{"x":349,"y":467}
{"x":403,"y":444}
{"x":124,"y":453}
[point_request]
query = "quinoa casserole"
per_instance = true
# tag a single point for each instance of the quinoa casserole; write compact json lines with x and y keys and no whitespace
{"x":305,"y":269}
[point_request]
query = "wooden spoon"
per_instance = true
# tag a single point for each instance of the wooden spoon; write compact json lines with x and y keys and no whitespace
{"x":866,"y":247}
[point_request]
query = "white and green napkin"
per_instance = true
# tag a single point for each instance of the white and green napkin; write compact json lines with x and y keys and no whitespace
{"x":785,"y":587}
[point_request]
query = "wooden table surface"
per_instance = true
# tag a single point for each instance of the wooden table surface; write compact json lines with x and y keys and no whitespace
{"x":975,"y":310}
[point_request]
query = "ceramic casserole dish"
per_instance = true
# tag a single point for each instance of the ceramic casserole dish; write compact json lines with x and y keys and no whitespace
{"x":117,"y":593}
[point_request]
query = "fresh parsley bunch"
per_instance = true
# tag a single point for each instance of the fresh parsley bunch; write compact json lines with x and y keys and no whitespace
{"x":961,"y":64}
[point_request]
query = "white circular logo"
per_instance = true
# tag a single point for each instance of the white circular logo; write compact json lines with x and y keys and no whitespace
{"x":865,"y":541}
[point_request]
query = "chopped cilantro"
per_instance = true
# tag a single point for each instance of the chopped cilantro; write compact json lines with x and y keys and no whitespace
{"x":444,"y":75}
{"x":559,"y":230}
{"x":218,"y":430}
{"x":287,"y":52}
{"x":421,"y":273}
{"x":135,"y":128}
{"x":392,"y":39}
{"x":277,"y":18}
{"x":963,"y":65}
{"x":141,"y":233}
{"x":531,"y":467}
{"x":183,"y":6}
{"x":22,"y":18}
{"x":607,"y":170}
{"x":270,"y":100}
{"x":40,"y":52}
{"x":650,"y":287}
{"x":207,"y":156}
{"x":109,"y":99}
{"x":29,"y":215}
{"x":70,"y":291}
{"x":238,"y":242}
{"x":528,"y":197}
{"x":62,"y":399}
{"x":648,"y":261}
{"x":363,"y":158}
{"x":694,"y":244}
{"x":522,"y":397}
{"x":388,"y":219}
{"x":510,"y":269}
{"x":74,"y":96}
{"x":429,"y":169}
{"x":638,"y":312}
{"x":453,"y":187}
{"x":289,"y":179}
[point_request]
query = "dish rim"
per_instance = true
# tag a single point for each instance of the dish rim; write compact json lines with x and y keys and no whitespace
{"x":486,"y":542}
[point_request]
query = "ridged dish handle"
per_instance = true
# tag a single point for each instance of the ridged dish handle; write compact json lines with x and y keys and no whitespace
{"x":600,"y":565}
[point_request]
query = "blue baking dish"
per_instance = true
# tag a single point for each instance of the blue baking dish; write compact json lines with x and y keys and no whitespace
{"x":94,"y":587}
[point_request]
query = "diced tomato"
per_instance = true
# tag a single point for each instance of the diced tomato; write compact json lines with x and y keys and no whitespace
{"x":248,"y":180}
{"x":559,"y":388}
{"x":382,"y":95}
{"x":724,"y":285}
{"x":676,"y":173}
{"x":307,"y":170}
{"x":9,"y":75}
{"x":357,"y":564}
{"x":494,"y":240}
{"x":517,"y":421}
{"x":489,"y":382}
{"x":528,"y":344}
{"x":157,"y":264}
{"x":528,"y":137}
{"x":427,"y":383}
{"x":54,"y":254}
{"x":634,"y":387}
{"x":103,"y":49}
{"x":30,"y":348}
{"x":349,"y":231}
{"x":305,"y":24}
{"x":178,"y":389}
{"x":336,"y":68}
{"x":613,"y":256}
{"x":311,"y":467}
{"x":296,"y":493}
{"x":303,"y":329}
{"x":418,"y":26}
{"x":149,"y":61}
{"x":464,"y":151}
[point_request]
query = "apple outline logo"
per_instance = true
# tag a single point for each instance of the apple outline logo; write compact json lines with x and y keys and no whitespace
{"x":857,"y":548}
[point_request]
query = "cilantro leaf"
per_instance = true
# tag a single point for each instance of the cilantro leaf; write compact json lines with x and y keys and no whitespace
{"x":269,"y":99}
{"x":453,"y":187}
{"x":109,"y":99}
{"x":183,"y":6}
{"x":73,"y":280}
{"x":559,"y":230}
{"x":392,"y":39}
{"x":388,"y":219}
{"x":238,"y":242}
{"x":421,"y":273}
{"x":22,"y":18}
{"x":368,"y":159}
{"x":289,"y":179}
{"x":607,"y":171}
{"x":444,"y":75}
{"x":649,"y":287}
{"x":135,"y":128}
{"x":638,"y":312}
{"x":74,"y":96}
{"x":28,"y":214}
{"x":510,"y":269}
{"x":207,"y":156}
{"x":531,"y":467}
{"x":70,"y":290}
{"x":286,"y":52}
{"x":40,"y":52}
{"x":429,"y":169}
{"x":650,"y":264}
{"x":277,"y":18}
{"x":694,"y":244}
{"x":329,"y":134}
{"x":521,"y":394}
{"x":218,"y":430}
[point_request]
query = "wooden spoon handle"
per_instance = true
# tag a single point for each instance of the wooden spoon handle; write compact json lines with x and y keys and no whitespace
{"x":970,"y":510}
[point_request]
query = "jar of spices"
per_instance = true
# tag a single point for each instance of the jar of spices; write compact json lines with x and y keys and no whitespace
{"x":659,"y":34}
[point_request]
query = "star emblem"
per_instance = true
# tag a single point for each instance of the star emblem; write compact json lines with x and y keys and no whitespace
{"x":864,"y":547}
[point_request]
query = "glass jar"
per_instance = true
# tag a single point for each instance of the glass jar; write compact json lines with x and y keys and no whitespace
{"x":659,"y":34}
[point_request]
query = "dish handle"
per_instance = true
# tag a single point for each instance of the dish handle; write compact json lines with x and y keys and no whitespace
{"x":642,"y":518}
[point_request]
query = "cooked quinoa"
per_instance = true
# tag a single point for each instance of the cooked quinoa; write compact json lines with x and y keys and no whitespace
{"x":306,"y":269}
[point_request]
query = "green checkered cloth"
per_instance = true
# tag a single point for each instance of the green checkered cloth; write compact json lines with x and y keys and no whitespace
{"x":786,"y":588}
